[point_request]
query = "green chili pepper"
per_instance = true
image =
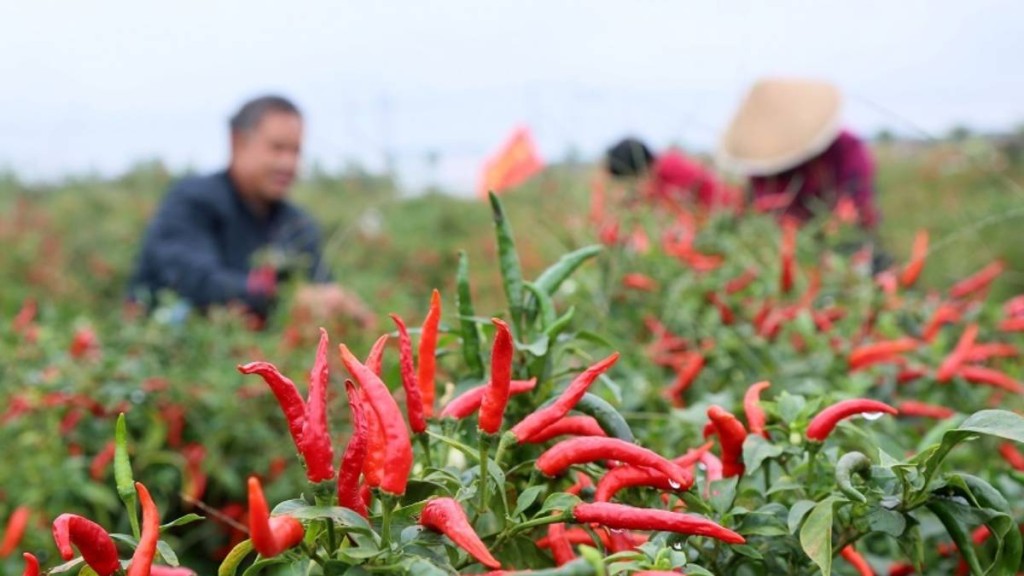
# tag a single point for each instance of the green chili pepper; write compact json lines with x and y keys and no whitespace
{"x":508,"y":259}
{"x":606,"y":415}
{"x":230,"y":564}
{"x":550,"y":279}
{"x":123,"y":472}
{"x":547,"y":307}
{"x":852,"y":462}
{"x":470,"y":331}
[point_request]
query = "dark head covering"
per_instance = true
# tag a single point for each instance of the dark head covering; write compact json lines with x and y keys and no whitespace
{"x":630,"y":157}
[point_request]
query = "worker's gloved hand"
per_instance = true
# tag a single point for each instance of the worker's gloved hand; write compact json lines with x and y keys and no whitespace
{"x":262,"y":281}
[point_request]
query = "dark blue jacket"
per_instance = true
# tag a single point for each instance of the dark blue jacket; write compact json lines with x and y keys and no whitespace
{"x":204,"y":239}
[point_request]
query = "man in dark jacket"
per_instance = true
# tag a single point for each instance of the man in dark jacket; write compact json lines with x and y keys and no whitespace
{"x":230,"y":237}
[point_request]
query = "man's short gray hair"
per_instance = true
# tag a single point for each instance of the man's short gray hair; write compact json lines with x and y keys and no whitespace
{"x":253,"y":111}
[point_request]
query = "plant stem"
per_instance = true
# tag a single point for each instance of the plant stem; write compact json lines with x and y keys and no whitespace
{"x":506,"y":439}
{"x":387,"y":507}
{"x":332,"y":538}
{"x":424,"y":441}
{"x":485,"y":446}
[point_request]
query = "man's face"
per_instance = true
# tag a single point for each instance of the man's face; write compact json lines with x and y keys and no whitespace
{"x":266,"y":158}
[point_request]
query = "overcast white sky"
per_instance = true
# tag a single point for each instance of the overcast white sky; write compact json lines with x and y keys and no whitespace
{"x":100,"y":85}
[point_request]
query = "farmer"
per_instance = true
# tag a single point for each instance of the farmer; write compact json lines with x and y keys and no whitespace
{"x":669,"y":177}
{"x":786,"y":138}
{"x":232,"y":236}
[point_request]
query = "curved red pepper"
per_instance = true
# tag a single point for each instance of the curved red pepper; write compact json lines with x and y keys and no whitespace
{"x":874,"y":353}
{"x":142,"y":559}
{"x":977,"y":281}
{"x":467,"y":403}
{"x":407,"y":367}
{"x":752,"y":408}
{"x":1008,"y":450}
{"x":686,"y":373}
{"x":398,"y":447}
{"x":270,"y":536}
{"x":731,"y":435}
{"x":590,"y":449}
{"x":492,"y":406}
{"x":740,"y":282}
{"x":561,"y":547}
{"x":921,"y":409}
{"x":858,"y":562}
{"x":990,"y":377}
{"x":447,"y":517}
{"x":31,"y":565}
{"x":625,"y":517}
{"x":569,"y":426}
{"x":826,"y":420}
{"x":97,"y":547}
{"x":428,"y":351}
{"x":355,"y":454}
{"x":317,"y":449}
{"x":624,"y":477}
{"x":983,"y":352}
{"x":288,"y":397}
{"x":375,"y":359}
{"x":549,"y":414}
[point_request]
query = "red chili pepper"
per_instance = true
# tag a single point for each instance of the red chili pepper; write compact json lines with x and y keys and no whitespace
{"x":492,"y":406}
{"x":316,"y":448}
{"x":467,"y":403}
{"x":1012,"y":325}
{"x":31,"y":565}
{"x":946,"y":313}
{"x":620,"y":516}
{"x":923,"y":410}
{"x":375,"y":359}
{"x":825,"y":421}
{"x":686,"y":373}
{"x":569,"y":426}
{"x":413,"y":394}
{"x":990,"y":377}
{"x":731,"y":435}
{"x":195,"y":478}
{"x":916,"y":263}
{"x":100,"y":463}
{"x":909,"y":374}
{"x":788,"y":256}
{"x":752,"y":408}
{"x":446,"y":516}
{"x":548,"y":415}
{"x":713,"y":470}
{"x":1014,"y":307}
{"x":15,"y":530}
{"x":355,"y":454}
{"x":724,"y":312}
{"x":142,"y":559}
{"x":373,"y":465}
{"x":174,"y":416}
{"x":977,"y":281}
{"x":623,"y":477}
{"x":983,"y":352}
{"x":740,"y":282}
{"x":693,"y":455}
{"x":97,"y":548}
{"x":901,"y":569}
{"x":886,"y":351}
{"x":292,"y":404}
{"x":582,"y":481}
{"x":589,"y":449}
{"x":398,"y":447}
{"x":957,"y":357}
{"x":428,"y":349}
{"x":641,"y":282}
{"x":576,"y":536}
{"x":561,"y":548}
{"x":858,"y":562}
{"x":270,"y":536}
{"x":170,"y":571}
{"x":85,"y":343}
{"x":1008,"y":450}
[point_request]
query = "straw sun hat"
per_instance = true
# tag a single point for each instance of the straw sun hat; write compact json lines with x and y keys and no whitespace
{"x":780,"y":124}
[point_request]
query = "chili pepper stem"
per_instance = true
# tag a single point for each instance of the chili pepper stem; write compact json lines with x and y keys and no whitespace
{"x":565,"y":516}
{"x":503,"y":444}
{"x":485,"y":447}
{"x":332,"y":537}
{"x":387,"y":502}
{"x":812,"y":460}
{"x":424,"y":441}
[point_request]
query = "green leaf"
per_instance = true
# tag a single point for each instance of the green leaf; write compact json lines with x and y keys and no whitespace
{"x":723,"y":493}
{"x":186,"y":519}
{"x":167,"y":553}
{"x":756,"y":450}
{"x":526,"y":499}
{"x":508,"y":261}
{"x":889,"y":522}
{"x":999,"y":423}
{"x":790,"y":406}
{"x":229,"y":566}
{"x":558,"y":501}
{"x":797,"y":511}
{"x":420,"y":567}
{"x":816,"y":535}
{"x":471,"y":351}
{"x":748,"y":551}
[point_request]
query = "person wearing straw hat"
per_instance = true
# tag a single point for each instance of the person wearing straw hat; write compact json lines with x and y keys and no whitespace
{"x":668,"y":177}
{"x":787,"y":139}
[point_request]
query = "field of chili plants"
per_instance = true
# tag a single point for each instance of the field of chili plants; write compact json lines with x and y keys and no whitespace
{"x":596,"y":386}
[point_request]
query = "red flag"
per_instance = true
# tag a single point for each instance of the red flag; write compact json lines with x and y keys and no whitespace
{"x":513,"y":164}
